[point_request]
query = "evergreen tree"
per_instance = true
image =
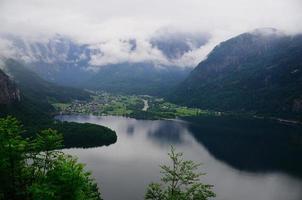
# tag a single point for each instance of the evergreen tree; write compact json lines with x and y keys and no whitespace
{"x":179,"y":181}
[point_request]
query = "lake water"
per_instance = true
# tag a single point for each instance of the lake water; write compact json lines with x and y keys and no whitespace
{"x":243,"y":159}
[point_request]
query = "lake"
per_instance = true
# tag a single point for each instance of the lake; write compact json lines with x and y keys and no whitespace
{"x":243,"y":159}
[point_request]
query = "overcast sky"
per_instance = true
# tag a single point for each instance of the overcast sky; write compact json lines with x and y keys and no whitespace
{"x":92,"y":21}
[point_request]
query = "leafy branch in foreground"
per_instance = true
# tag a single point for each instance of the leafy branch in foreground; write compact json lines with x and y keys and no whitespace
{"x":34,"y":169}
{"x":179,"y":181}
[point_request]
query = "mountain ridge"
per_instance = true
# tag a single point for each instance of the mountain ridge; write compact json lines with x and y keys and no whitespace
{"x":66,"y":62}
{"x":36,"y":89}
{"x":252,"y":72}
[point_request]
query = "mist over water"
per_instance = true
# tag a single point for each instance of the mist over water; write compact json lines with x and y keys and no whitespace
{"x":124,"y":169}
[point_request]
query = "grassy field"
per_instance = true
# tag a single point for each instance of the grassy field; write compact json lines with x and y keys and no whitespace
{"x":128,"y":105}
{"x":61,"y":106}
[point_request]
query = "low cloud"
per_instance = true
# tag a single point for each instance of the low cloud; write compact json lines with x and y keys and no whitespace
{"x":167,"y":48}
{"x":179,"y":49}
{"x":119,"y":51}
{"x":108,"y":27}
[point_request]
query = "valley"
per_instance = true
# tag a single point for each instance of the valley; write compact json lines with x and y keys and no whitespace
{"x":135,"y":106}
{"x":238,"y":112}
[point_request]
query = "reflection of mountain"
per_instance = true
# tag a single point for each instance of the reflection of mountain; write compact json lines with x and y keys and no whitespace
{"x":167,"y":132}
{"x":130,"y":129}
{"x":252,"y":145}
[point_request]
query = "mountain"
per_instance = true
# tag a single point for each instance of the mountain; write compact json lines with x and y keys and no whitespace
{"x":137,"y":78}
{"x":34,"y":94}
{"x":124,"y":66}
{"x":58,"y":59}
{"x":259,"y":71}
{"x":36,"y":89}
{"x":8,"y":90}
{"x":28,"y":98}
{"x":174,"y":44}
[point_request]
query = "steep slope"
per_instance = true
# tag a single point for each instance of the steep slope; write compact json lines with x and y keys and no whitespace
{"x":8,"y":91}
{"x":38,"y":90}
{"x":30,"y":104}
{"x":259,"y":72}
{"x":34,"y":94}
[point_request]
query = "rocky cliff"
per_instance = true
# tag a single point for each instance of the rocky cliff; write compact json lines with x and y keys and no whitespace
{"x":8,"y":91}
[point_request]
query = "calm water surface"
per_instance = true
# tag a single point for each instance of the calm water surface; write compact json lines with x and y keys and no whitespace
{"x":243,"y":160}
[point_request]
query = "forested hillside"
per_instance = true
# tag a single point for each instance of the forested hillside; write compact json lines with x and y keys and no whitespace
{"x":258,"y":72}
{"x":28,"y":98}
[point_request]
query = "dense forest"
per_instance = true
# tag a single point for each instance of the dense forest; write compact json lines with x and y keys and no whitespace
{"x":254,"y":72}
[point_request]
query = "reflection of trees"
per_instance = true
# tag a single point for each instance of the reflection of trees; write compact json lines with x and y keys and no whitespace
{"x":251,"y":145}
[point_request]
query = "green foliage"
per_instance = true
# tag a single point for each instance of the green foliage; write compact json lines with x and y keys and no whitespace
{"x":12,"y":157}
{"x":48,"y":140}
{"x":66,"y":179}
{"x":74,"y":134}
{"x":35,"y":169}
{"x":179,"y":181}
{"x":85,"y":135}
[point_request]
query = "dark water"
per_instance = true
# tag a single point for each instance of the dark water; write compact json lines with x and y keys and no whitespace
{"x":243,"y":159}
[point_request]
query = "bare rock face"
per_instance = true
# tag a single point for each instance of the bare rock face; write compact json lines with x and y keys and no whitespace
{"x":8,"y":91}
{"x":297,"y":106}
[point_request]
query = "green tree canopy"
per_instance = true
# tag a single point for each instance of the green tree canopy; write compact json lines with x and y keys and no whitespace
{"x":179,"y":181}
{"x":35,"y":169}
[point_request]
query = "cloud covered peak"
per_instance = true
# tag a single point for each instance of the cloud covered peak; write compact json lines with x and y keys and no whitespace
{"x":162,"y":49}
{"x":143,"y":31}
{"x":174,"y":44}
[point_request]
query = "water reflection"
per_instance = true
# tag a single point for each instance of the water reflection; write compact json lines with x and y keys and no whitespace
{"x":168,"y":132}
{"x":252,"y":145}
{"x":130,"y":130}
{"x":124,"y":169}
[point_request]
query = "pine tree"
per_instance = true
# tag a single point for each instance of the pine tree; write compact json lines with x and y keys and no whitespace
{"x":180,"y":181}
